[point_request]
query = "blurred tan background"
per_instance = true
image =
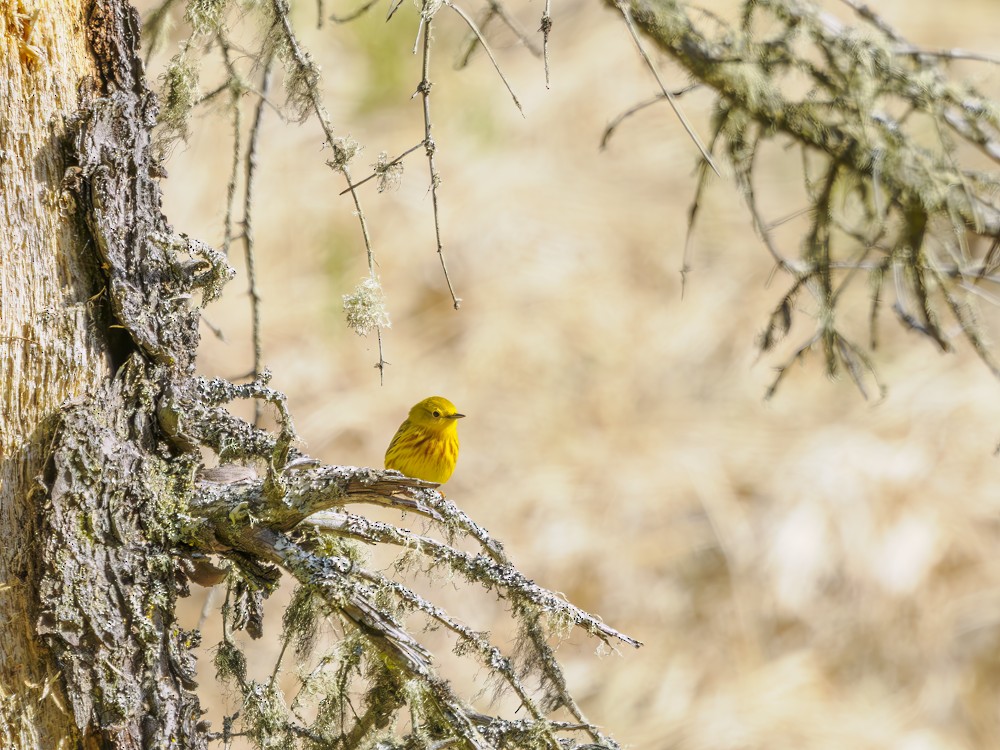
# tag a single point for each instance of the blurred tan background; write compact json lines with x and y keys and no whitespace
{"x":815,"y":571}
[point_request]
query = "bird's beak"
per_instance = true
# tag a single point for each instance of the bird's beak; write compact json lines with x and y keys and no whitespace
{"x":456,"y":416}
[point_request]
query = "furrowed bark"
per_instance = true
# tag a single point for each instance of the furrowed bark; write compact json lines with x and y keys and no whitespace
{"x":114,"y":481}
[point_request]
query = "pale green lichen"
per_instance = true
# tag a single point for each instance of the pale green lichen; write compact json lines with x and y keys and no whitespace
{"x":365,"y":307}
{"x":301,"y":84}
{"x":230,"y":663}
{"x":389,"y":173}
{"x":344,"y":151}
{"x":265,"y":717}
{"x":300,"y":621}
{"x":206,"y":16}
{"x":179,"y":92}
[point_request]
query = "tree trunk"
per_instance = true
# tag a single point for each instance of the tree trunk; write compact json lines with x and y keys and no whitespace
{"x":53,"y":334}
{"x":94,"y":327}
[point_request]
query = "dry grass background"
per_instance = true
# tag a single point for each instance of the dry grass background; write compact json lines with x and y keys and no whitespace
{"x":816,"y":571}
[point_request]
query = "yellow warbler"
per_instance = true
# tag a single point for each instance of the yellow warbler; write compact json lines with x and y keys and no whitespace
{"x":426,"y":445}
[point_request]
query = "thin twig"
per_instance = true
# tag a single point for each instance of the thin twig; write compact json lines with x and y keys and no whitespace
{"x":373,"y":175}
{"x":695,"y":207}
{"x":784,"y":368}
{"x":424,"y":89}
{"x":515,"y":27}
{"x":546,"y":29}
{"x":205,"y":98}
{"x":627,"y":14}
{"x":613,"y":125}
{"x":493,"y":10}
{"x":784,"y":219}
{"x":482,"y":40}
{"x":692,"y":218}
{"x":155,"y":25}
{"x":949,"y":54}
{"x":236,"y":92}
{"x":216,"y":330}
{"x":277,"y":662}
{"x":472,"y":41}
{"x":353,"y":14}
{"x":968,"y":326}
{"x":248,"y":235}
{"x":382,"y":363}
{"x":874,"y":18}
{"x":763,"y":228}
{"x":211,"y":595}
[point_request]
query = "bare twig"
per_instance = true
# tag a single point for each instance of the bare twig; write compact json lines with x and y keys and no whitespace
{"x":692,"y":213}
{"x":424,"y":89}
{"x":373,"y":175}
{"x":360,"y":11}
{"x":963,"y":316}
{"x":546,"y":29}
{"x":248,"y":235}
{"x":216,"y":331}
{"x":155,"y":26}
{"x":234,"y":86}
{"x":613,"y":125}
{"x":949,"y":54}
{"x":519,"y":31}
{"x":495,"y":9}
{"x":482,"y":40}
{"x":783,"y":369}
{"x":627,"y":14}
{"x":874,"y":18}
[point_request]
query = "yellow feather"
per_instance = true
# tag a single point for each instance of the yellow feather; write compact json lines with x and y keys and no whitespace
{"x":426,"y":445}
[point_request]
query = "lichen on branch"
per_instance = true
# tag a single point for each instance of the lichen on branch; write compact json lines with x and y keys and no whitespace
{"x":914,"y":215}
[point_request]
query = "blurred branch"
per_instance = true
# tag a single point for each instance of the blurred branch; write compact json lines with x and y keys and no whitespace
{"x":495,"y":9}
{"x":627,"y":15}
{"x":880,"y":175}
{"x":613,"y":125}
{"x":354,"y":14}
{"x":489,"y":53}
{"x":546,"y":28}
{"x":237,"y":88}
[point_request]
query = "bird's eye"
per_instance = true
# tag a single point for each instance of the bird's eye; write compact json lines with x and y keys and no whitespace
{"x":437,"y":414}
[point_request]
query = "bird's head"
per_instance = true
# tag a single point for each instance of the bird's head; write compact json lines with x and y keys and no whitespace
{"x":435,"y":413}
